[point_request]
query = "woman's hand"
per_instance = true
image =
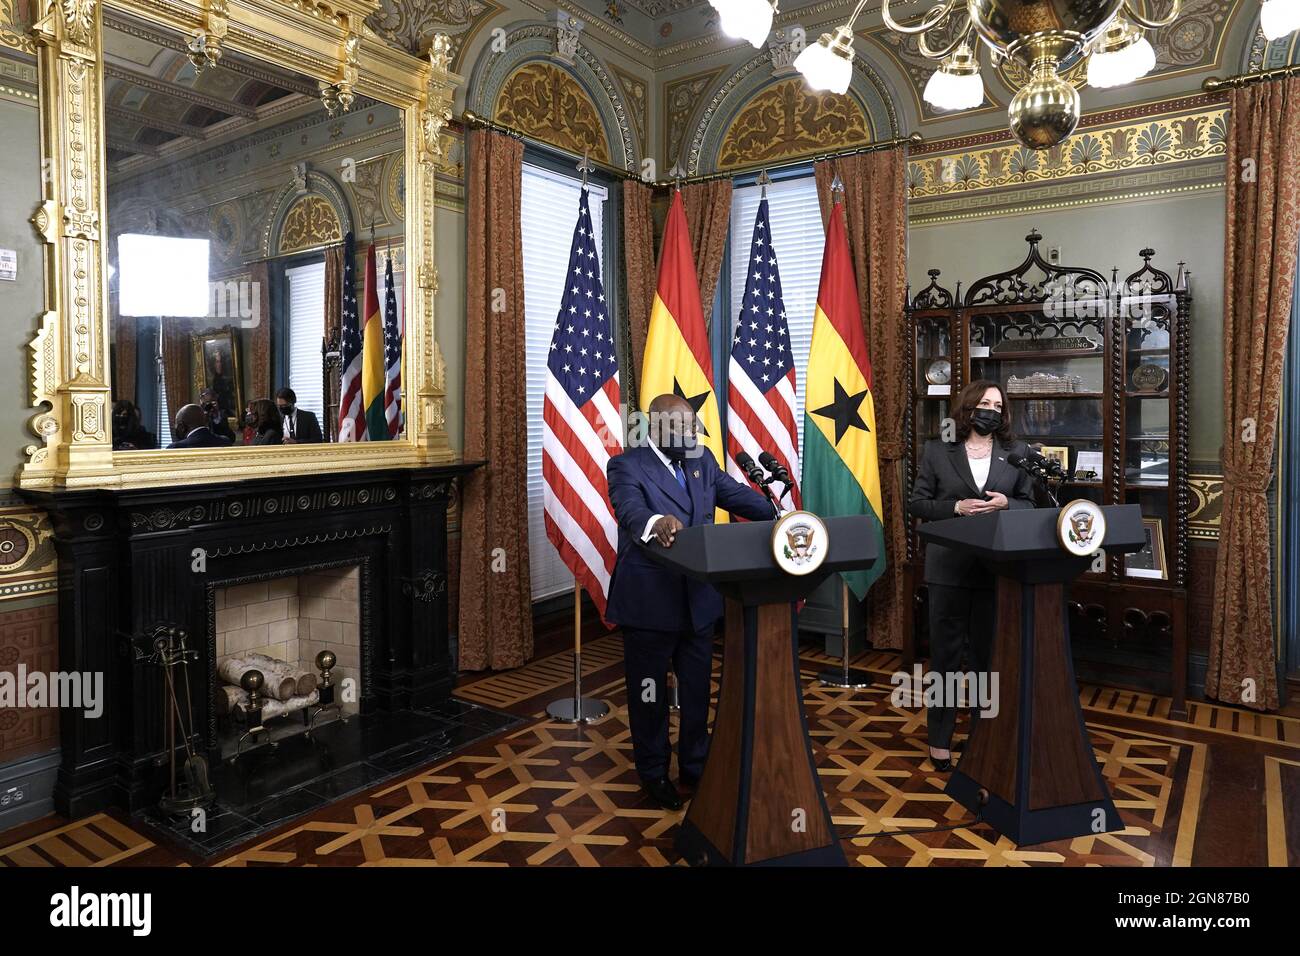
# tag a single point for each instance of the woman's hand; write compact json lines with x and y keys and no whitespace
{"x":973,"y":506}
{"x":997,"y":501}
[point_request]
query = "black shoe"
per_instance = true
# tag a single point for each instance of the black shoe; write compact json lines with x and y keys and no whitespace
{"x":940,"y":764}
{"x":663,"y":792}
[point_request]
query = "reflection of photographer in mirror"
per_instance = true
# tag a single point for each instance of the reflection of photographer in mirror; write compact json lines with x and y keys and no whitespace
{"x":300,"y":425}
{"x":268,"y":427}
{"x":193,"y":429}
{"x":218,"y":420}
{"x":128,"y":433}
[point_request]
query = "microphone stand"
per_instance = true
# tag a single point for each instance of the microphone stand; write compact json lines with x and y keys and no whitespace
{"x":1044,"y":481}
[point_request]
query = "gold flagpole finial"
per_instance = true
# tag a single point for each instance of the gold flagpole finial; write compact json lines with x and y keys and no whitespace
{"x":763,"y":181}
{"x":585,"y":167}
{"x":837,"y":188}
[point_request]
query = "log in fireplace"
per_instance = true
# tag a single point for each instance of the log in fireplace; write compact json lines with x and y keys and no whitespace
{"x":131,"y":561}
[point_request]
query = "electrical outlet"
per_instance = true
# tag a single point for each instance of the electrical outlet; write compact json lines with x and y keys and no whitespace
{"x":1054,"y":255}
{"x":11,"y":796}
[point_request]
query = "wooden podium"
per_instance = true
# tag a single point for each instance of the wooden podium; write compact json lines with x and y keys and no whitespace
{"x":1030,"y":768}
{"x":759,"y":801}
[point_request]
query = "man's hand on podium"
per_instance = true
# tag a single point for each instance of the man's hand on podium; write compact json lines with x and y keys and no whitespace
{"x":665,"y":529}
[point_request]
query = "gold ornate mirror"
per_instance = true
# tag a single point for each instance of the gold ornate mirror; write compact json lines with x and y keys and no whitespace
{"x":239,"y":244}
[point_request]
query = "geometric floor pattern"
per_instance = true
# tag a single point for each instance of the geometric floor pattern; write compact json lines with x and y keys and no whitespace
{"x":552,"y":794}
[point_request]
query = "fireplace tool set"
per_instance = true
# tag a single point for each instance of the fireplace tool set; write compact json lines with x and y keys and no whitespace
{"x":189,"y":786}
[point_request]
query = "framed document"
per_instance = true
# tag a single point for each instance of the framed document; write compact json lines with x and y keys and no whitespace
{"x":1150,"y":561}
{"x":1057,"y":453}
{"x":1088,"y":461}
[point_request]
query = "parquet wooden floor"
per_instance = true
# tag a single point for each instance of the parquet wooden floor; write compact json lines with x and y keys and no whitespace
{"x":1222,"y":788}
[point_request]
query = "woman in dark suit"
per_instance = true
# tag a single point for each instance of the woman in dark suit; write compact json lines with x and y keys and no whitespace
{"x":267,"y":424}
{"x":968,"y":476}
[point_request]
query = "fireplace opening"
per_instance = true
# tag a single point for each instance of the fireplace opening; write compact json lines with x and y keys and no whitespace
{"x":285,"y":629}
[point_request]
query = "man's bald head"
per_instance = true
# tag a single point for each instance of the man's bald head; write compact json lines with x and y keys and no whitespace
{"x":673,"y":425}
{"x":670,"y":404}
{"x":188,"y":418}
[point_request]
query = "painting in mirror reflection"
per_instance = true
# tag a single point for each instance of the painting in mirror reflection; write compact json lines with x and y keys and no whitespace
{"x":251,"y":237}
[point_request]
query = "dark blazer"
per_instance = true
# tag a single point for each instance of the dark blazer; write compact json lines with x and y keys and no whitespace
{"x":306,"y":428}
{"x":221,"y":428}
{"x":201,"y":437}
{"x":272,"y":436}
{"x":643,"y":594}
{"x":943,"y":480}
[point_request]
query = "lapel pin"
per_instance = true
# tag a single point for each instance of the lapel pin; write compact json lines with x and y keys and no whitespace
{"x":695,"y":473}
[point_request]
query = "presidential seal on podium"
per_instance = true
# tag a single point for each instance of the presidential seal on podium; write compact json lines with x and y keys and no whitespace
{"x":799,"y":542}
{"x":1081,"y":527}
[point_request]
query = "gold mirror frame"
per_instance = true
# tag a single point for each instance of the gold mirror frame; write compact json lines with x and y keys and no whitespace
{"x":325,"y":41}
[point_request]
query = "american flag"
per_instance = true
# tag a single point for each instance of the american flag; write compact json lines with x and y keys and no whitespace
{"x":352,"y":418}
{"x":761,"y":376}
{"x":392,"y":354}
{"x":582,"y":428}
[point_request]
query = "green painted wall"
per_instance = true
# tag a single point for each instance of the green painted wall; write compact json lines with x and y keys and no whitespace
{"x":21,"y":302}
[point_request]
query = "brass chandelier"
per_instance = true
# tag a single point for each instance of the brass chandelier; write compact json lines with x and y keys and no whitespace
{"x":1045,"y":37}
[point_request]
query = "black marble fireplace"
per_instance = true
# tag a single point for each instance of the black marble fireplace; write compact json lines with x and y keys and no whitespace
{"x":130,"y":561}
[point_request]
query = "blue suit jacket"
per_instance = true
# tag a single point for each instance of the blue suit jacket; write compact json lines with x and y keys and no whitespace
{"x":644,"y":594}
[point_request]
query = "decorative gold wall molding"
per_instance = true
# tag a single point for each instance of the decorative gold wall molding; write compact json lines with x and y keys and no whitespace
{"x":681,"y":98}
{"x":1159,"y":141}
{"x":1207,"y":506}
{"x":544,"y":101}
{"x":786,"y":120}
{"x":310,"y":222}
{"x":1132,"y":153}
{"x":27,"y":559}
{"x":638,"y":108}
{"x":15,"y":25}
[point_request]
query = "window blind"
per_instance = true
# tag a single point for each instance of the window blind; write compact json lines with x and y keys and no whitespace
{"x":306,"y":304}
{"x":550,"y":211}
{"x":798,"y":238}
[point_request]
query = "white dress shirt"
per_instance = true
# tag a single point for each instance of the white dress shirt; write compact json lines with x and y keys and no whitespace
{"x":979,"y":469}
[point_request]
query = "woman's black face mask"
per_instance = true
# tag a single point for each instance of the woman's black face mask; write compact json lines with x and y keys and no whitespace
{"x":986,"y":420}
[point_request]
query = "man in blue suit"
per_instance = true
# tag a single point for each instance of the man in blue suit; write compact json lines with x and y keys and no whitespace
{"x":657,"y":489}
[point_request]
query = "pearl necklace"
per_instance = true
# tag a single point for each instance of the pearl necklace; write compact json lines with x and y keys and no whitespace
{"x":972,"y":452}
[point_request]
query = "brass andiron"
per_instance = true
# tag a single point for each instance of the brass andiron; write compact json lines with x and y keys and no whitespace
{"x":189,"y":786}
{"x":252,"y":682}
{"x":325,"y":662}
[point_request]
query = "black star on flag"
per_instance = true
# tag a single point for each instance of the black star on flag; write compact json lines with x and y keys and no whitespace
{"x":695,"y":401}
{"x":844,"y":411}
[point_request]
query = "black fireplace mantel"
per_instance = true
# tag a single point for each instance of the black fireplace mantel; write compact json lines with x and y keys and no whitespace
{"x":132,"y":560}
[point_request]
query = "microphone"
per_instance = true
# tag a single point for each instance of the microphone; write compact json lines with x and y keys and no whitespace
{"x":775,"y":468}
{"x":1027,"y":465}
{"x":1035,"y":470}
{"x":751,"y":470}
{"x":1047,"y":465}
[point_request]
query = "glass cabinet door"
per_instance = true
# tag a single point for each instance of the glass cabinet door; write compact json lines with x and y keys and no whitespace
{"x":1054,"y":375}
{"x":935,"y":372}
{"x":1147,"y":323}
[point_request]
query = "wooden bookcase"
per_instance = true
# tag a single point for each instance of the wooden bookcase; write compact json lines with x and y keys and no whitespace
{"x":1099,"y":368}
